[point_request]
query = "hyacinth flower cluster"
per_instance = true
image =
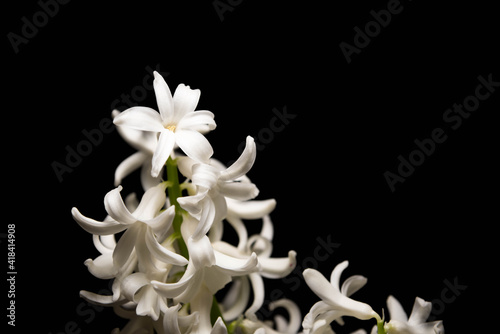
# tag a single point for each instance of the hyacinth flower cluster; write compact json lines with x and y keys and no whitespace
{"x":166,"y":252}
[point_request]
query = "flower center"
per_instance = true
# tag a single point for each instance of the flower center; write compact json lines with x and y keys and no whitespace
{"x":171,"y":127}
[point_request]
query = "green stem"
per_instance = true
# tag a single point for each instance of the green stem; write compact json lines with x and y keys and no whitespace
{"x":380,"y":327}
{"x":174,"y":192}
{"x":215,"y":312}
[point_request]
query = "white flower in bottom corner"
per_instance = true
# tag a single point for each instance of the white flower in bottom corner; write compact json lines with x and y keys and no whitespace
{"x":335,"y":301}
{"x":416,"y":324}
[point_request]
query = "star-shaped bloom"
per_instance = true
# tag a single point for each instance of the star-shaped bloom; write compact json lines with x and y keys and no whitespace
{"x":145,"y":226}
{"x":335,"y":302}
{"x":213,"y":185}
{"x":416,"y":323}
{"x":177,"y":123}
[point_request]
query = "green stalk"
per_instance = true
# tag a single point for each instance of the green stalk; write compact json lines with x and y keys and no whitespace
{"x":215,"y":312}
{"x":380,"y":327}
{"x":174,"y":192}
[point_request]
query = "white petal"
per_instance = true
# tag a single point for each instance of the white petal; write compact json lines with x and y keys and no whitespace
{"x":140,"y":118}
{"x":278,"y":267}
{"x":235,"y":266}
{"x":244,"y":163}
{"x":102,"y":267}
{"x":147,"y":180}
{"x":163,"y":98}
{"x":250,"y":209}
{"x":161,"y":223}
{"x":173,"y":290}
{"x":161,"y":253}
{"x":331,"y":295}
{"x":420,"y":312}
{"x":396,"y":311}
{"x":258,"y":293}
{"x":148,"y":304}
{"x":185,"y":101}
{"x":105,"y":244}
{"x":320,"y":286}
{"x":353,"y":284}
{"x":140,"y":140}
{"x":207,"y":217}
{"x":96,"y":227}
{"x":133,"y":283}
{"x":317,"y":309}
{"x":219,"y":327}
{"x":239,"y":190}
{"x":204,"y":175}
{"x":236,"y":299}
{"x":129,"y":165}
{"x":215,"y":279}
{"x":294,"y":315}
{"x":95,"y":298}
{"x":175,"y":324}
{"x":194,"y":145}
{"x":202,"y":303}
{"x":166,"y":143}
{"x":201,"y":252}
{"x":220,"y":208}
{"x":185,"y":165}
{"x":267,"y":228}
{"x":192,"y":203}
{"x":186,"y":323}
{"x":201,"y":121}
{"x":170,"y":320}
{"x":125,"y":245}
{"x":115,"y":207}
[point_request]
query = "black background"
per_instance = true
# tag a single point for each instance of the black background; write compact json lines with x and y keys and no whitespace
{"x":325,"y":168}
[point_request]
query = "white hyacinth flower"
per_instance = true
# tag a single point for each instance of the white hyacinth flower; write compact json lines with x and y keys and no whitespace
{"x":209,"y":204}
{"x":416,"y":323}
{"x":335,"y":302}
{"x":207,"y":268}
{"x":176,"y":123}
{"x":144,"y":226}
